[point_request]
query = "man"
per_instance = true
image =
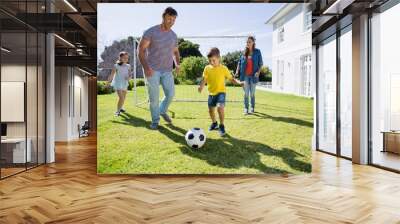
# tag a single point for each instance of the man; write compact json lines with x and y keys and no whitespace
{"x":161,"y":45}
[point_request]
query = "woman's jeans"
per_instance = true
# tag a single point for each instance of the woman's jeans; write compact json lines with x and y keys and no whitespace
{"x":249,"y":90}
{"x":166,"y":79}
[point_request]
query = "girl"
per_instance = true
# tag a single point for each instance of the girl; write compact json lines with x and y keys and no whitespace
{"x":249,"y":68}
{"x":120,"y":75}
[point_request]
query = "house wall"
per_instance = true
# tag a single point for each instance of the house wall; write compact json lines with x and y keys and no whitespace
{"x":286,"y":56}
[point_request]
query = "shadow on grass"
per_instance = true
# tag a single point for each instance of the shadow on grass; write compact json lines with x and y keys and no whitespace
{"x":129,"y":119}
{"x":284,"y":119}
{"x":228,"y":152}
{"x":258,"y":115}
{"x":280,"y":108}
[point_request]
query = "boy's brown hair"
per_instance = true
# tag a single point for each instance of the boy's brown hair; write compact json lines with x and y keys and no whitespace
{"x":213,"y":52}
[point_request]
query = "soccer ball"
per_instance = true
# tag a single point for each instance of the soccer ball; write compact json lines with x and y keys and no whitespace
{"x":195,"y":138}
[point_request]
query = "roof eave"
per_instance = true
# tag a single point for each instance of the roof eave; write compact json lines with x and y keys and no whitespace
{"x":283,"y":10}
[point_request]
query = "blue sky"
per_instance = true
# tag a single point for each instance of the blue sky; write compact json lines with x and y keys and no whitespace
{"x":119,"y":20}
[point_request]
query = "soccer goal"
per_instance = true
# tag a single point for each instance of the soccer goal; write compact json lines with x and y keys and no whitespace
{"x":139,"y":80}
{"x":187,"y":90}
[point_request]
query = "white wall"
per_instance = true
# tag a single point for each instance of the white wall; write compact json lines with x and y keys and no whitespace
{"x":80,"y":96}
{"x":61,"y":83}
{"x":297,"y":43}
{"x":71,"y":94}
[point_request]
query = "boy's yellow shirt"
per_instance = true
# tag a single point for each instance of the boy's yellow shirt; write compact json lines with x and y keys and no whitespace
{"x":215,"y":78}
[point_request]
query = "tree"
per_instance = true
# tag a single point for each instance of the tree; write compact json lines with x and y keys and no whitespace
{"x":188,"y":48}
{"x":231,"y":60}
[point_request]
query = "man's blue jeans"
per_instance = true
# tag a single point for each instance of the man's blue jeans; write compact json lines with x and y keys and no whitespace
{"x":166,"y":79}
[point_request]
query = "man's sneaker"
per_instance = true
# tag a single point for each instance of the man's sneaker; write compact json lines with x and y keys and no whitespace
{"x":154,"y":126}
{"x":221,"y":130}
{"x":117,"y":113}
{"x":245,"y":111}
{"x":166,"y":118}
{"x":122,"y":110}
{"x":214,"y":126}
{"x":251,"y":111}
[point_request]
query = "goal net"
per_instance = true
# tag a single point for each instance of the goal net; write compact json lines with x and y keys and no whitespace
{"x":186,"y":86}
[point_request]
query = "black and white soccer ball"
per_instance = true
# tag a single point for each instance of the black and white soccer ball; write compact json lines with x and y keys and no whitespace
{"x":195,"y":138}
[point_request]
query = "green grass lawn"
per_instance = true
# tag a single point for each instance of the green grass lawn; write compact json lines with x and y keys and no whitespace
{"x":276,"y":139}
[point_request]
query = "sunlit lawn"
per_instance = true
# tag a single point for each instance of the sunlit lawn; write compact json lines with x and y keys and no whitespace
{"x":276,"y":139}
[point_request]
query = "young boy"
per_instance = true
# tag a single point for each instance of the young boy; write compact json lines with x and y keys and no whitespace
{"x":214,"y":75}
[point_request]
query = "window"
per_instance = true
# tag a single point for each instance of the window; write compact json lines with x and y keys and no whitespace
{"x":327,"y":95}
{"x":279,"y":78}
{"x":305,"y":75}
{"x":281,"y":74}
{"x":394,"y":101}
{"x":307,"y":21}
{"x":281,"y":34}
{"x":335,"y":107}
{"x":385,"y":89}
{"x":346,"y":93}
{"x":22,"y":66}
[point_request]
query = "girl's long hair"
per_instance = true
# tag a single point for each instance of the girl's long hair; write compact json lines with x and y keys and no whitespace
{"x":121,"y":54}
{"x":247,"y":50}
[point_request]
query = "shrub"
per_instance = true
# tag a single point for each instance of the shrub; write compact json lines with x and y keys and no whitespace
{"x":176,"y":81}
{"x":265,"y":74}
{"x":140,"y":82}
{"x":130,"y":84}
{"x":187,"y":82}
{"x":192,"y":69}
{"x":104,"y":87}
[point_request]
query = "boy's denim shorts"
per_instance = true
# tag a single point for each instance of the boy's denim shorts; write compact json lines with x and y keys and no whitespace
{"x":214,"y":100}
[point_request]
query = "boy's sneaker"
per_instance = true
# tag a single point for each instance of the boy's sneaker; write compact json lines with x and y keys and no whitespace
{"x":122,"y":110}
{"x":245,"y":111}
{"x":221,"y":130}
{"x":154,"y":126}
{"x":166,"y":118}
{"x":251,"y":111}
{"x":117,"y":113}
{"x":214,"y":126}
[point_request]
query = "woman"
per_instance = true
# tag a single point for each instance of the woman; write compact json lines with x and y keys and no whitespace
{"x":120,"y":75}
{"x":248,"y":69}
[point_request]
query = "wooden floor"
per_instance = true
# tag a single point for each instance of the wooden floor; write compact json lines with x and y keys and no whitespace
{"x":387,"y":159}
{"x":10,"y":171}
{"x":69,"y":191}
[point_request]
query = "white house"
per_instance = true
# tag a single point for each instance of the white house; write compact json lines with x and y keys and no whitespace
{"x":292,"y":49}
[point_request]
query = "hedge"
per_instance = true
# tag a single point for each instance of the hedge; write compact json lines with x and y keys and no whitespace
{"x":103,"y":87}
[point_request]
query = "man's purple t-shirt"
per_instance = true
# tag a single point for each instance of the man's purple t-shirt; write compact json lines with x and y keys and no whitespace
{"x":160,"y":52}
